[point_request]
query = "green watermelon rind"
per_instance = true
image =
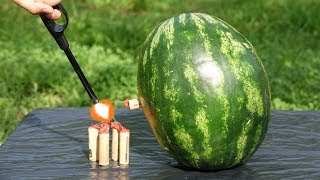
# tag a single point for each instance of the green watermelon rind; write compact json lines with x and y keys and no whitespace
{"x":204,"y":91}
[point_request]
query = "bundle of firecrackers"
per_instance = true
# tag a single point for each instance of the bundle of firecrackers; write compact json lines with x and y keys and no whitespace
{"x":99,"y":137}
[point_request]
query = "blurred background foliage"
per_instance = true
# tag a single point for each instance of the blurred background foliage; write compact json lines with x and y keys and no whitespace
{"x":106,"y":36}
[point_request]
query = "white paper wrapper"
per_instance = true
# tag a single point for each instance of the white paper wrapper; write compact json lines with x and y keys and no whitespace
{"x":115,"y":145}
{"x":104,"y":149}
{"x":124,"y":140}
{"x":93,"y":134}
{"x":134,"y":104}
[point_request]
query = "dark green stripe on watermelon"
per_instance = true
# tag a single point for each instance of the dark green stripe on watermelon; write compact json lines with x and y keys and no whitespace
{"x":204,"y":91}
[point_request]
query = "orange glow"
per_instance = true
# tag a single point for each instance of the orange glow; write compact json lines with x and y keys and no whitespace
{"x":95,"y":116}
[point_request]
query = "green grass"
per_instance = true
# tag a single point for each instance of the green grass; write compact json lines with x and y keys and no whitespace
{"x":106,"y":36}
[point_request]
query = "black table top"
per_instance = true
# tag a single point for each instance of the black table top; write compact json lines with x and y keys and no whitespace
{"x":53,"y":143}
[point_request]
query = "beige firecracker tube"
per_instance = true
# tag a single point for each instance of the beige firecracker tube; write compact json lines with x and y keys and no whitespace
{"x":93,"y":134}
{"x":104,"y":145}
{"x":124,"y":141}
{"x":115,"y":145}
{"x":132,"y":104}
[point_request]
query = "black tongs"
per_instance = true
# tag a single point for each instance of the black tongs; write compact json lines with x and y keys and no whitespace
{"x":56,"y":30}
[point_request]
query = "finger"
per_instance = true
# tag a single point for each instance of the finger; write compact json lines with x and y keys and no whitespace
{"x":51,"y":2}
{"x":35,"y":7}
{"x":54,"y":15}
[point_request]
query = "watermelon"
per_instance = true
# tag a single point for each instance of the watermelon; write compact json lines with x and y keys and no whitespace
{"x":204,"y":92}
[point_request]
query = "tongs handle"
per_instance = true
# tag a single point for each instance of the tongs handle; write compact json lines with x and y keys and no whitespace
{"x":56,"y":30}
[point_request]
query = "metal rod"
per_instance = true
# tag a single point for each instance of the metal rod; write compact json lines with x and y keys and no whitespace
{"x":81,"y":76}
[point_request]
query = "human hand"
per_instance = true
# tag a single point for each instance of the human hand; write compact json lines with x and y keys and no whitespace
{"x":40,"y":6}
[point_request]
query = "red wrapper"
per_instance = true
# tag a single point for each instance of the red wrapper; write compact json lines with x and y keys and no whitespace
{"x":118,"y":126}
{"x":123,"y":129}
{"x":126,"y":103}
{"x":96,"y":126}
{"x":115,"y":125}
{"x":104,"y":128}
